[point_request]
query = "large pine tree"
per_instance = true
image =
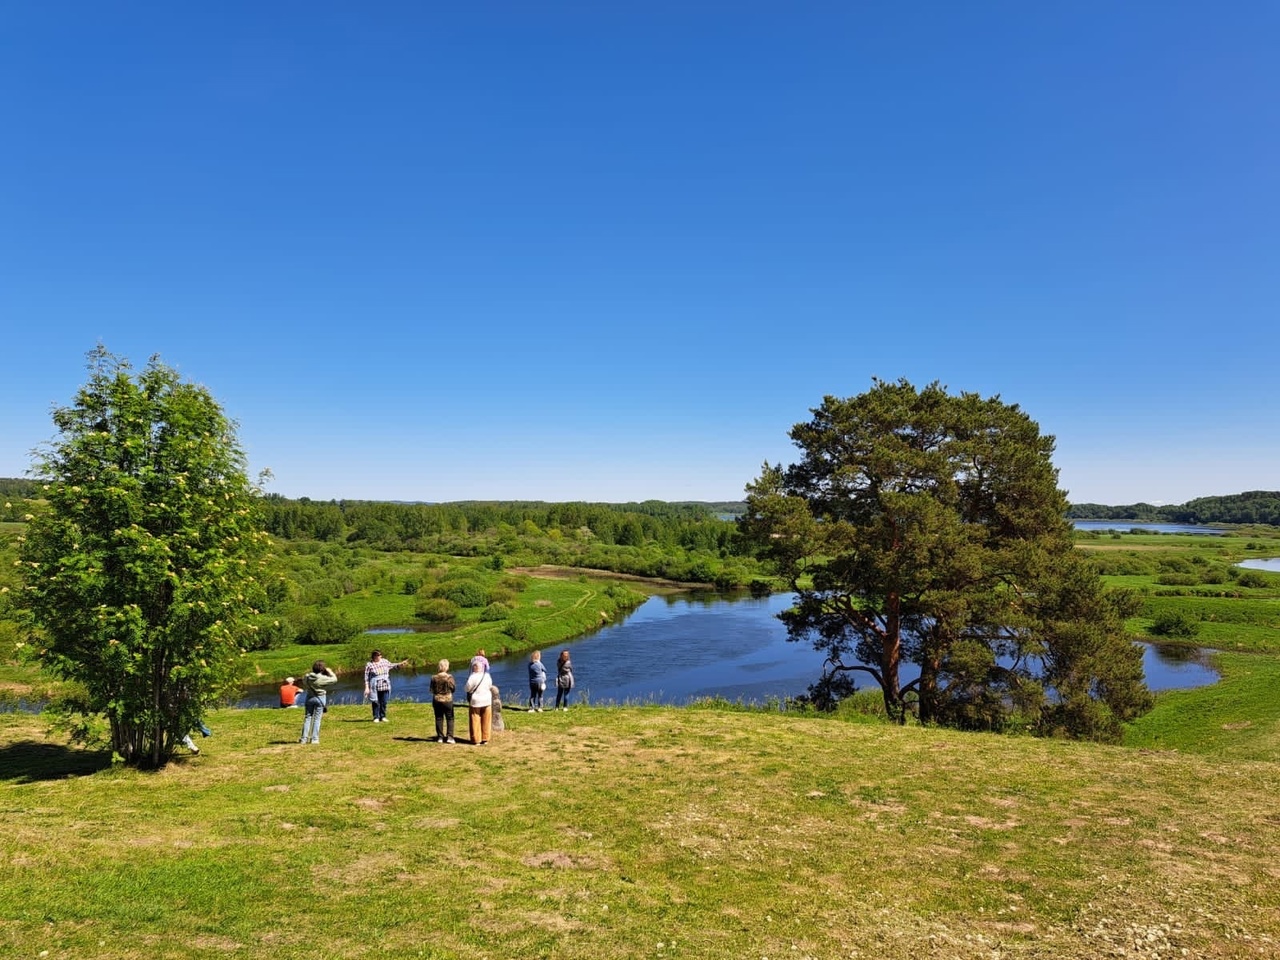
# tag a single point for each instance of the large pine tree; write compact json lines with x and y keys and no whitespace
{"x":928,"y":528}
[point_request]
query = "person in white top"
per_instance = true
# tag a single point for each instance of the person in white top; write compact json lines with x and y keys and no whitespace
{"x":480,"y":697}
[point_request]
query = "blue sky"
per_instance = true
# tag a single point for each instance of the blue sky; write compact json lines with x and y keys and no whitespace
{"x":614,"y":251}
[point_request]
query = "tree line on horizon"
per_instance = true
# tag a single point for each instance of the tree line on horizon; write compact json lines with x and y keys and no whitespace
{"x":303,"y":517}
{"x":1253,"y":506}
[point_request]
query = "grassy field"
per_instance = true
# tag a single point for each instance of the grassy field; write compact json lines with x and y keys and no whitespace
{"x":636,"y":832}
{"x":555,"y":610}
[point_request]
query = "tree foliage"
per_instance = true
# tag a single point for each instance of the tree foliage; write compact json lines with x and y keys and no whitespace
{"x":142,"y":570}
{"x":925,"y":528}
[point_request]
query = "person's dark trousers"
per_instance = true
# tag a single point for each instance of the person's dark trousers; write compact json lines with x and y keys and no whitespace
{"x":444,"y":720}
{"x":379,"y":704}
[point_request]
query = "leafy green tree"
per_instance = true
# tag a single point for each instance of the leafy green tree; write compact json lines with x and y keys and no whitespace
{"x":921,"y":527}
{"x":143,"y":569}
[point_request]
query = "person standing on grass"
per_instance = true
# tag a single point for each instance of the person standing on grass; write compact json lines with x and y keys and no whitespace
{"x":316,"y":683}
{"x":480,"y":697}
{"x":537,"y":681}
{"x":442,"y":689}
{"x":481,"y":659}
{"x":377,"y":683}
{"x":564,"y":680}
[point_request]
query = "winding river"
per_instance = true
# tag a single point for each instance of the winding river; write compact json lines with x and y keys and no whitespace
{"x":675,"y":649}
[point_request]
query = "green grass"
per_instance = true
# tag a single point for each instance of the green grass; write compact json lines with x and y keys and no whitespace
{"x":555,"y":609}
{"x":1237,"y":717}
{"x":635,"y":832}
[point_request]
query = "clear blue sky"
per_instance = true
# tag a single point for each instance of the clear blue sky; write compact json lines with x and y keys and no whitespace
{"x":614,"y":251}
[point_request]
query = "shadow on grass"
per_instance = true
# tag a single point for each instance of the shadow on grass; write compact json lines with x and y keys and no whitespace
{"x":31,"y":760}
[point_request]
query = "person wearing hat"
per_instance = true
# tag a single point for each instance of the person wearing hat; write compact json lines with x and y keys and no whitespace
{"x":291,"y":695}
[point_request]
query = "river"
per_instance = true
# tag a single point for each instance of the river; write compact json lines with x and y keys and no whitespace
{"x":675,"y":649}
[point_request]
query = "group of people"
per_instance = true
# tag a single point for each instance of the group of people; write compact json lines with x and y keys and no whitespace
{"x":484,"y":704}
{"x":538,"y":681}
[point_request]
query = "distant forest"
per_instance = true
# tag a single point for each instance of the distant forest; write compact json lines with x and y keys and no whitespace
{"x":394,"y":524}
{"x":1255,"y":506}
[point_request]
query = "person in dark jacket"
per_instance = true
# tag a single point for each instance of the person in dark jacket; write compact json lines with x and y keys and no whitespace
{"x":564,"y":680}
{"x":442,"y":689}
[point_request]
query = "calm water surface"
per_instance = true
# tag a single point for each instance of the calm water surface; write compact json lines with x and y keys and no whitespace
{"x":1123,"y":526}
{"x":1271,"y":565}
{"x":676,"y":649}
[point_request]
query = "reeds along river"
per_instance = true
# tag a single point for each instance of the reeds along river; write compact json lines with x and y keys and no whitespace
{"x":680,"y":648}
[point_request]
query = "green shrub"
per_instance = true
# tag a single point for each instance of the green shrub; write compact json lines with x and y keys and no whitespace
{"x":1253,"y":578}
{"x":494,"y":612}
{"x":465,"y":593}
{"x":517,"y":630}
{"x":1175,"y":623}
{"x":436,"y":610}
{"x":328,"y":625}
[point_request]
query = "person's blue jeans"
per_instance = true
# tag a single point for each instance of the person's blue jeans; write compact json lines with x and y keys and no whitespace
{"x":535,"y":696}
{"x":562,"y":696}
{"x":379,"y":703}
{"x":311,"y":722}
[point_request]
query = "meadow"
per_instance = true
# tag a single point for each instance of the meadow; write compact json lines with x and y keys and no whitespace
{"x":636,"y":832}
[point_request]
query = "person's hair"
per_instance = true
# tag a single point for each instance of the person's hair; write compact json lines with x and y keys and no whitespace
{"x":318,"y":667}
{"x":375,"y":655}
{"x":444,"y":666}
{"x":564,"y":654}
{"x":536,"y":655}
{"x":288,"y":679}
{"x":480,"y":652}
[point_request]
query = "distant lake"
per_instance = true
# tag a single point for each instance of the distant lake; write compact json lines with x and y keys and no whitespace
{"x":675,"y":649}
{"x":1123,"y":526}
{"x":1271,"y":565}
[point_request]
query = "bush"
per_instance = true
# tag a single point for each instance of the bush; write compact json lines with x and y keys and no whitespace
{"x":328,"y":626}
{"x":494,"y":612}
{"x":465,"y":593}
{"x":437,"y":610}
{"x":1252,"y":578}
{"x":1175,"y":623}
{"x":517,"y":630}
{"x":502,"y":595}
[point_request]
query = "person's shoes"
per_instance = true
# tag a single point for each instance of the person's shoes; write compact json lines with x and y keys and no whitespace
{"x":302,"y":741}
{"x":195,"y":751}
{"x":450,"y":740}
